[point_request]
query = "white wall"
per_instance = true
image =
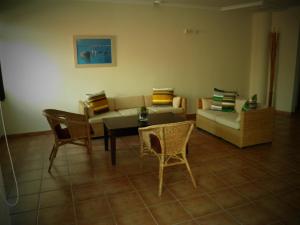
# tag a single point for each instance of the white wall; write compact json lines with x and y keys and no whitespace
{"x":36,"y":51}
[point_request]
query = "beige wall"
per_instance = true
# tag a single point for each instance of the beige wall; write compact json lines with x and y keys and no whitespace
{"x":152,"y":51}
{"x":288,"y":24}
{"x":258,"y":81}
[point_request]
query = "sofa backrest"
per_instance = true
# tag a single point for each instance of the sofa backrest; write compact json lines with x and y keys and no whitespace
{"x":129,"y":102}
{"x":239,"y":102}
{"x":111,"y":103}
{"x":148,"y":100}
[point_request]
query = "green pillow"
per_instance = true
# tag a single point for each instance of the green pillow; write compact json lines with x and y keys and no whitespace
{"x":223,"y":100}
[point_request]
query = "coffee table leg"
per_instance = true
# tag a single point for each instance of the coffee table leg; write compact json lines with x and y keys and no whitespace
{"x":106,"y":137}
{"x":113,"y":148}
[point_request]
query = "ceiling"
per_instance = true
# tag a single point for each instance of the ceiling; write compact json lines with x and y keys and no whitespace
{"x":214,"y":4}
{"x":223,"y":5}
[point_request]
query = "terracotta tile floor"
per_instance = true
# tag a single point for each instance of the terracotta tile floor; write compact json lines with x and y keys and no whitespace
{"x":258,"y":185}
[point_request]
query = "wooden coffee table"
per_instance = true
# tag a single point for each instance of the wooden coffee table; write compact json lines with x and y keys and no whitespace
{"x":128,"y":125}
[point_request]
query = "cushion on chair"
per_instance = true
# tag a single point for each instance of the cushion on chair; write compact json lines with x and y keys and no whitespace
{"x":62,"y":133}
{"x":162,"y":96}
{"x":98,"y":102}
{"x":155,"y":143}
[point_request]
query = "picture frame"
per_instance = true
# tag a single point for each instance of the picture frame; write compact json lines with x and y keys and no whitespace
{"x":94,"y":51}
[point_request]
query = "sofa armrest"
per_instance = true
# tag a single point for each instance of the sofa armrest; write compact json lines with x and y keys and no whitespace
{"x":199,"y":103}
{"x":184,"y":104}
{"x":257,"y":119}
{"x":84,"y":109}
{"x":204,"y":103}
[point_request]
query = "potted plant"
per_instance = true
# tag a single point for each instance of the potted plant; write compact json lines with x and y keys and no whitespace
{"x":253,"y":102}
{"x":143,"y":114}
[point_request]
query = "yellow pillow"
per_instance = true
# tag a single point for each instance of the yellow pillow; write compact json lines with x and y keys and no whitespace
{"x":162,"y":96}
{"x":98,"y":102}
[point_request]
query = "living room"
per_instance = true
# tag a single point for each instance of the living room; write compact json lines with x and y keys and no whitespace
{"x":191,"y":48}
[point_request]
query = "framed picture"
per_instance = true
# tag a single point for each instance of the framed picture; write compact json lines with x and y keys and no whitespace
{"x":94,"y":51}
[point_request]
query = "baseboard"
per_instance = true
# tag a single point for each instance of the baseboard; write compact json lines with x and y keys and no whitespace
{"x":283,"y":113}
{"x":191,"y":116}
{"x":29,"y":134}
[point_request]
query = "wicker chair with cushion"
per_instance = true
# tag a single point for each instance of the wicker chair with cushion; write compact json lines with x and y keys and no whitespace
{"x":68,"y":128}
{"x":168,"y":142}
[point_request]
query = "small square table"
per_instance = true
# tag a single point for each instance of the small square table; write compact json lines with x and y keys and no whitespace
{"x":128,"y":125}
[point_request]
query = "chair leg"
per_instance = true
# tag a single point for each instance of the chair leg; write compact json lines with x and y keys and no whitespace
{"x":190,"y":172}
{"x":51,"y":154}
{"x":55,"y":151}
{"x":89,"y":145}
{"x":161,"y":175}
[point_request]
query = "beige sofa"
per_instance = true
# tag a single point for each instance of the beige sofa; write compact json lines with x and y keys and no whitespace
{"x":126,"y":106}
{"x":240,"y":128}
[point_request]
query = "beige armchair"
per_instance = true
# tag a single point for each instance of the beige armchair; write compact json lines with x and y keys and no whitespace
{"x":168,"y":142}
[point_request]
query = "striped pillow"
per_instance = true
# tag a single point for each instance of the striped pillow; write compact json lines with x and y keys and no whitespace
{"x":223,"y":100}
{"x":98,"y":102}
{"x":162,"y":96}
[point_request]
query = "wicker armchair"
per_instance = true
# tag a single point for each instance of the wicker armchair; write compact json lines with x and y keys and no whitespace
{"x":68,"y":128}
{"x":168,"y":142}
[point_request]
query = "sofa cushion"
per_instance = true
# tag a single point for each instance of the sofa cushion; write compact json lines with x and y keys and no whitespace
{"x":98,"y":118}
{"x":162,"y":96}
{"x":129,"y":102}
{"x":129,"y":112}
{"x":228,"y":119}
{"x":209,"y":114}
{"x":164,"y":109}
{"x":98,"y":102}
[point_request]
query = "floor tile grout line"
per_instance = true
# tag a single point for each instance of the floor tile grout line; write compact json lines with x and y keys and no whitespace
{"x":71,"y":188}
{"x":40,"y":191}
{"x":180,"y":203}
{"x":105,"y":196}
{"x":143,"y":201}
{"x":226,"y":209}
{"x":110,"y":209}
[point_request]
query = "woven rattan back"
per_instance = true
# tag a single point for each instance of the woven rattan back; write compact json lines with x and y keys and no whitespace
{"x":175,"y":137}
{"x":68,"y":128}
{"x":76,"y":125}
{"x":169,"y":143}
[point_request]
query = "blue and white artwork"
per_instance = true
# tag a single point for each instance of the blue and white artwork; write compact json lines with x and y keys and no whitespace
{"x":94,"y":51}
